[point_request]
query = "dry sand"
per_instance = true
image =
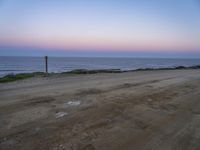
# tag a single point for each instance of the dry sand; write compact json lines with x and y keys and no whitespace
{"x":144,"y":110}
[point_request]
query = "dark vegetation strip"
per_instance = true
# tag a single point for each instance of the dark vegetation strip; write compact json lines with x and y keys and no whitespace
{"x":14,"y":77}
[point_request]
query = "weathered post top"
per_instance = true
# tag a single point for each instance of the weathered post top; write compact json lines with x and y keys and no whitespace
{"x":46,"y":63}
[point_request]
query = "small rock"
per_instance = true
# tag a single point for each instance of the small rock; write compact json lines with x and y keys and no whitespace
{"x":60,"y":114}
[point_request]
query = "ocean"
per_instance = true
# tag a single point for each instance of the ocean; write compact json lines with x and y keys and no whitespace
{"x":14,"y":65}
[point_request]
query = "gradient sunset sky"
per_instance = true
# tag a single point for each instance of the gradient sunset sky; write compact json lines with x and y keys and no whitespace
{"x":130,"y":28}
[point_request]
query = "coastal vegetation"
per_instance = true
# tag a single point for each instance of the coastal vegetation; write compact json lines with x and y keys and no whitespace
{"x":20,"y":76}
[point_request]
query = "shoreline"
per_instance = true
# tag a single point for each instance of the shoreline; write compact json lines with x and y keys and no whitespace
{"x":20,"y":76}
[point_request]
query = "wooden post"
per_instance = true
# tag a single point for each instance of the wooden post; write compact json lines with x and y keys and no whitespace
{"x":46,"y":63}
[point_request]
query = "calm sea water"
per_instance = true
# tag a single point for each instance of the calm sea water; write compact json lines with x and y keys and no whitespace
{"x":15,"y":65}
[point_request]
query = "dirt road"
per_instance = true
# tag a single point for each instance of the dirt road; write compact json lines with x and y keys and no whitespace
{"x":144,"y":110}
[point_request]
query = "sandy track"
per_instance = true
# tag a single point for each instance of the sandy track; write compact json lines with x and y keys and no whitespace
{"x":126,"y":111}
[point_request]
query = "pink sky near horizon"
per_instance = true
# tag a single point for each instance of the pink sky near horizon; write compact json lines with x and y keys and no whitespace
{"x":116,"y":26}
{"x":96,"y":44}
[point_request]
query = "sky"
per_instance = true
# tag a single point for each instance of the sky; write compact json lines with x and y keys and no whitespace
{"x":114,"y":28}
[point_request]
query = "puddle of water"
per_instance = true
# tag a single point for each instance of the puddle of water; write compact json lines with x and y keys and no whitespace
{"x":60,"y":114}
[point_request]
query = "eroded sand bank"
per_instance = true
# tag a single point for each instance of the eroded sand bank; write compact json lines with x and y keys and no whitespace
{"x":126,"y":111}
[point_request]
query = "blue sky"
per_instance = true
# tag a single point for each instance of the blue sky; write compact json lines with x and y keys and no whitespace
{"x":139,"y":28}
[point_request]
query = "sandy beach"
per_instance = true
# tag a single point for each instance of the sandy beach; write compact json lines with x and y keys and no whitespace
{"x":143,"y":110}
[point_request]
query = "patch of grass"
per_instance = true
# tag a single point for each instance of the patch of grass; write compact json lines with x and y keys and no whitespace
{"x":85,"y":71}
{"x":172,"y":68}
{"x":13,"y":77}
